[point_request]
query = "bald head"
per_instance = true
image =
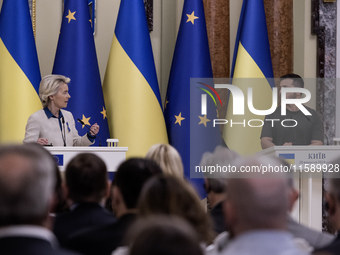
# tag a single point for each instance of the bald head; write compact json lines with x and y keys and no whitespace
{"x":27,"y":180}
{"x":258,"y":202}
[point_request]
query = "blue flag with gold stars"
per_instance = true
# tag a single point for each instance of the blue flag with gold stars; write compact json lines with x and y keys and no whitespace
{"x":76,"y":58}
{"x":190,"y":132}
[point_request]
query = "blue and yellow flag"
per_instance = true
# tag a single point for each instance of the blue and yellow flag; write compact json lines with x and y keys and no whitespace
{"x":130,"y":85}
{"x":76,"y":58}
{"x":19,"y":70}
{"x":252,"y":67}
{"x":191,"y":132}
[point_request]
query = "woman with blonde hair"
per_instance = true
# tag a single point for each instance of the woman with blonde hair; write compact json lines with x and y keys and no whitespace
{"x":53,"y":126}
{"x":168,"y":158}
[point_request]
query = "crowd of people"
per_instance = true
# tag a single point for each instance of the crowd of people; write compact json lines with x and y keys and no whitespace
{"x":153,"y":209}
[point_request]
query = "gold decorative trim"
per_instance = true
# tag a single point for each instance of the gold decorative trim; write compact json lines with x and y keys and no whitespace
{"x":34,"y":16}
{"x":32,"y":6}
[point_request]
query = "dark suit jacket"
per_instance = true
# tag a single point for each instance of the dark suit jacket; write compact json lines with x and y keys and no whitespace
{"x":315,"y":238}
{"x":85,"y":215}
{"x":333,"y":248}
{"x":16,"y":245}
{"x":217,"y":216}
{"x":101,"y":240}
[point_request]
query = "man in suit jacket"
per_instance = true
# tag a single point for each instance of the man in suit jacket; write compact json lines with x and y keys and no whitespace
{"x":315,"y":239}
{"x":27,"y":182}
{"x":256,"y":211}
{"x":87,"y":187}
{"x":128,"y":182}
{"x":333,"y":209}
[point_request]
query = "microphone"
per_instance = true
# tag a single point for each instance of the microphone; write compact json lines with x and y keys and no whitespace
{"x":63,"y":134}
{"x":87,"y":126}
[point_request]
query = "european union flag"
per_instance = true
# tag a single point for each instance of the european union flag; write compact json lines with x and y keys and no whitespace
{"x":76,"y":58}
{"x":19,"y":70}
{"x":190,"y":132}
{"x":252,"y":67}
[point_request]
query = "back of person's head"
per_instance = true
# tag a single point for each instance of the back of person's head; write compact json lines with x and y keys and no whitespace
{"x":222,"y":156}
{"x":131,"y":176}
{"x":164,"y":235}
{"x":27,"y":183}
{"x":173,"y":196}
{"x":297,"y":80}
{"x":168,"y":159}
{"x":59,"y":204}
{"x":86,"y":178}
{"x":260,"y":201}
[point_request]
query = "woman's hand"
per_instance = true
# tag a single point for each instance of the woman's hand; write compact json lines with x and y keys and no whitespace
{"x":42,"y":141}
{"x":94,"y":129}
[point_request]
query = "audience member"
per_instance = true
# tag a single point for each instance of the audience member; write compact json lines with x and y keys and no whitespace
{"x":59,"y":204}
{"x":168,"y":158}
{"x":315,"y":239}
{"x":166,"y":235}
{"x":127,"y":185}
{"x":256,"y":213}
{"x":214,"y":185}
{"x":27,"y":184}
{"x":333,"y":210}
{"x":87,"y":186}
{"x":173,"y":196}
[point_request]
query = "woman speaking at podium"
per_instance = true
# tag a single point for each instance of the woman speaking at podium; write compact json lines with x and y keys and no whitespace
{"x":52,"y":126}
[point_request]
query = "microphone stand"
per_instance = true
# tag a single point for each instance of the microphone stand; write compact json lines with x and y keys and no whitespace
{"x":87,"y":126}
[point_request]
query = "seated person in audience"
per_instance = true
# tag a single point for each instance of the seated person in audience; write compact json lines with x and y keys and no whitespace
{"x":304,"y":236}
{"x":165,"y":235}
{"x":168,"y":158}
{"x":315,"y":239}
{"x":87,"y":187}
{"x":59,"y":204}
{"x":173,"y":196}
{"x":256,"y":213}
{"x":215,"y":186}
{"x":126,"y":187}
{"x":333,"y":210}
{"x":27,"y":186}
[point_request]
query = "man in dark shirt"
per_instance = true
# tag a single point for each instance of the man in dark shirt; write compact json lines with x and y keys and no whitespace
{"x":296,"y":128}
{"x":87,"y":188}
{"x":126,"y":188}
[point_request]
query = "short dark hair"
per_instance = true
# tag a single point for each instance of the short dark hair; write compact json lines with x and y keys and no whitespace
{"x":86,"y":177}
{"x":131,"y":176}
{"x":297,"y":80}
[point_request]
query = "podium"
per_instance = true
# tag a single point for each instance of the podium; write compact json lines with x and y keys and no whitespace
{"x":112,"y":156}
{"x":308,"y":209}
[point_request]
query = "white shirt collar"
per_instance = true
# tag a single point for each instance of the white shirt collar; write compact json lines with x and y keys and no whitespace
{"x":29,"y":231}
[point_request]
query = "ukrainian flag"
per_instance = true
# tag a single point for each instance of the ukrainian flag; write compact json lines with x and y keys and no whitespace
{"x":252,"y":66}
{"x":130,"y":87}
{"x":19,"y":70}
